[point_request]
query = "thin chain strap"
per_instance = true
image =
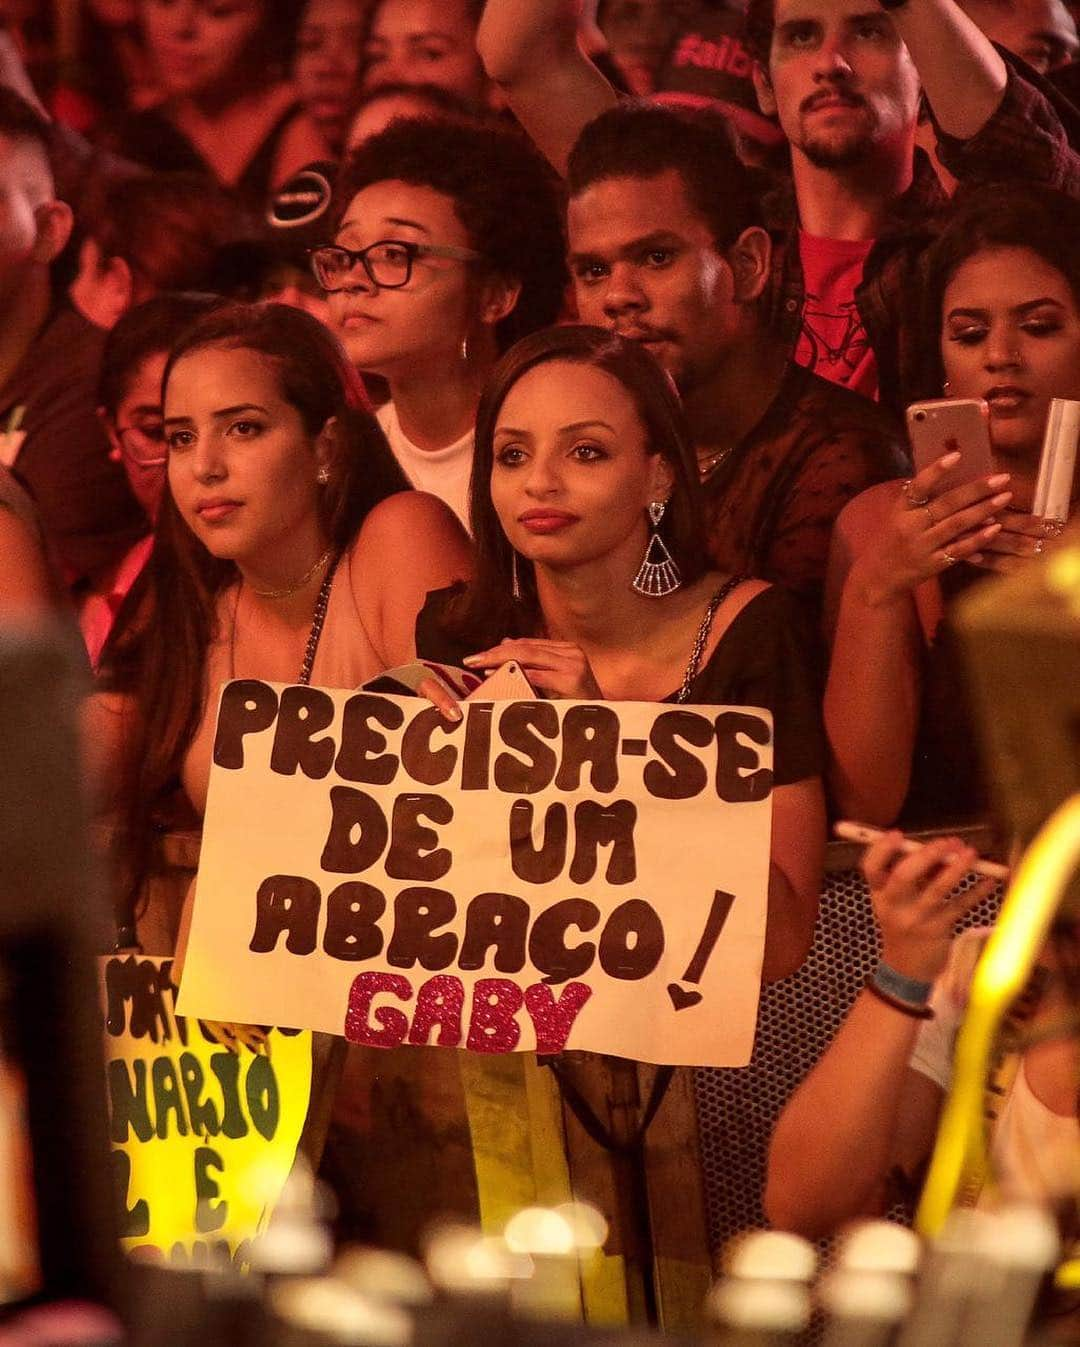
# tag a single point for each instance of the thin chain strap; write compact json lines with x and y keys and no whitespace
{"x":702,"y":636}
{"x":317,"y":621}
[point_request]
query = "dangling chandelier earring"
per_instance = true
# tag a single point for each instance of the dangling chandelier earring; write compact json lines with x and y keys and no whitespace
{"x":465,"y":349}
{"x":515,"y":583}
{"x":658,"y":574}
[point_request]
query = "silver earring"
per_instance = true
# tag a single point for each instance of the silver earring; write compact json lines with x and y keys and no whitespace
{"x":946,"y":388}
{"x":515,"y":583}
{"x":323,"y":475}
{"x":465,"y":349}
{"x":658,"y":574}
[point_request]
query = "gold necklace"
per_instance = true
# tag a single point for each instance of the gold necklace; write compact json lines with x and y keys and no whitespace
{"x":290,"y":590}
{"x":318,"y":621}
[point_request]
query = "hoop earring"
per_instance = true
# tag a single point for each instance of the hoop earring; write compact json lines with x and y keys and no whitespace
{"x":658,"y":574}
{"x":515,"y":583}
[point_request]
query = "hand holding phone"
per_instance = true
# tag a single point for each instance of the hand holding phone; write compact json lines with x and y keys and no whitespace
{"x":952,"y":426}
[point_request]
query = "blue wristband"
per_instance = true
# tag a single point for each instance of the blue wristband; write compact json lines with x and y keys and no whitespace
{"x":896,"y":984}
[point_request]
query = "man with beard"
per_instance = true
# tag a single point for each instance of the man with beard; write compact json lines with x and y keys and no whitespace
{"x":843,"y":78}
{"x":668,"y":248}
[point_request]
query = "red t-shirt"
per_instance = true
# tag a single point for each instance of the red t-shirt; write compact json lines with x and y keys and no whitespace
{"x":833,"y":342}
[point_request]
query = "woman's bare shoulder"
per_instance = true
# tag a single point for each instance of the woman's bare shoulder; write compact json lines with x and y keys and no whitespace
{"x":406,"y":527}
{"x":410,"y":544}
{"x":860,"y":518}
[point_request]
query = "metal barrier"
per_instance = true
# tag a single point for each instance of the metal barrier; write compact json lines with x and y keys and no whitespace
{"x":797,"y":1019}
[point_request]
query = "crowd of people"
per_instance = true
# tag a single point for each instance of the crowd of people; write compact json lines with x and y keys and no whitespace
{"x":340,"y":332}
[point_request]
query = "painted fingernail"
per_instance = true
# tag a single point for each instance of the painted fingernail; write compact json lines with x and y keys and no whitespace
{"x":999,"y":479}
{"x":991,"y":529}
{"x":976,"y":558}
{"x":947,"y":460}
{"x":1002,"y":499}
{"x":471,"y":659}
{"x":453,"y":712}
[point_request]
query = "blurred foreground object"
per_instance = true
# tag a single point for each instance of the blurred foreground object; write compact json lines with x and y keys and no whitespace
{"x":1022,"y":641}
{"x":50,"y":928}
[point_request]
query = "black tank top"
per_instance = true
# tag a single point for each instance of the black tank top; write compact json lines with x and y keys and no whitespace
{"x":948,"y":783}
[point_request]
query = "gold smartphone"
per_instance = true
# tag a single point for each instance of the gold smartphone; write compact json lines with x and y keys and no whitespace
{"x":948,"y":425}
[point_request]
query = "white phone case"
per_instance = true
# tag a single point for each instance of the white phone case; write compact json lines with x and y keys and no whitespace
{"x":1057,"y":466}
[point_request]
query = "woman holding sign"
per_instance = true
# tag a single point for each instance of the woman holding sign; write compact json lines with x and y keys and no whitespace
{"x":286,"y":550}
{"x":592,"y":575}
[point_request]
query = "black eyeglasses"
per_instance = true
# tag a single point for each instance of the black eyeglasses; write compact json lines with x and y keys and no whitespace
{"x":388,"y":263}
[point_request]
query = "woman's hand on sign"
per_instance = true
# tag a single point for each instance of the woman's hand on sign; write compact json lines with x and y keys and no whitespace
{"x":914,"y":899}
{"x":237,"y":1036}
{"x":437,"y":694}
{"x":558,"y":668}
{"x":926,"y":533}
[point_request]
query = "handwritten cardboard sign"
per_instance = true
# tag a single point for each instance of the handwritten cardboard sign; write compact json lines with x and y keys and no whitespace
{"x":540,"y":875}
{"x":203,"y":1138}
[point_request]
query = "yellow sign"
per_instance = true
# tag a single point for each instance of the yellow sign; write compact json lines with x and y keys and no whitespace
{"x":203,"y":1137}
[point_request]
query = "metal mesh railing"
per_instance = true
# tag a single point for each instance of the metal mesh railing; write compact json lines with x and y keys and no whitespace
{"x":797,"y":1019}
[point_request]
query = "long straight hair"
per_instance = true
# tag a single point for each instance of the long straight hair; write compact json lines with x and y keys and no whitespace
{"x":156,"y":654}
{"x":486,"y":610}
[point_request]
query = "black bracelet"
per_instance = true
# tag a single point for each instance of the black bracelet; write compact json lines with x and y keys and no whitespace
{"x":904,"y":1007}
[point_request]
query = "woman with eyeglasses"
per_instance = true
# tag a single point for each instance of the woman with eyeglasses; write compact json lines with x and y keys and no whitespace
{"x":448,"y":248}
{"x":129,"y":404}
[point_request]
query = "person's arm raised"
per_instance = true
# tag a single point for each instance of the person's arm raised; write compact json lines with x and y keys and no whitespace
{"x":531,"y":49}
{"x":410,"y":544}
{"x":962,"y":75}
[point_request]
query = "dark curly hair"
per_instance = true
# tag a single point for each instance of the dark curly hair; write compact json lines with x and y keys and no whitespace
{"x":503,"y":192}
{"x":641,"y":140}
{"x":986,"y":217}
